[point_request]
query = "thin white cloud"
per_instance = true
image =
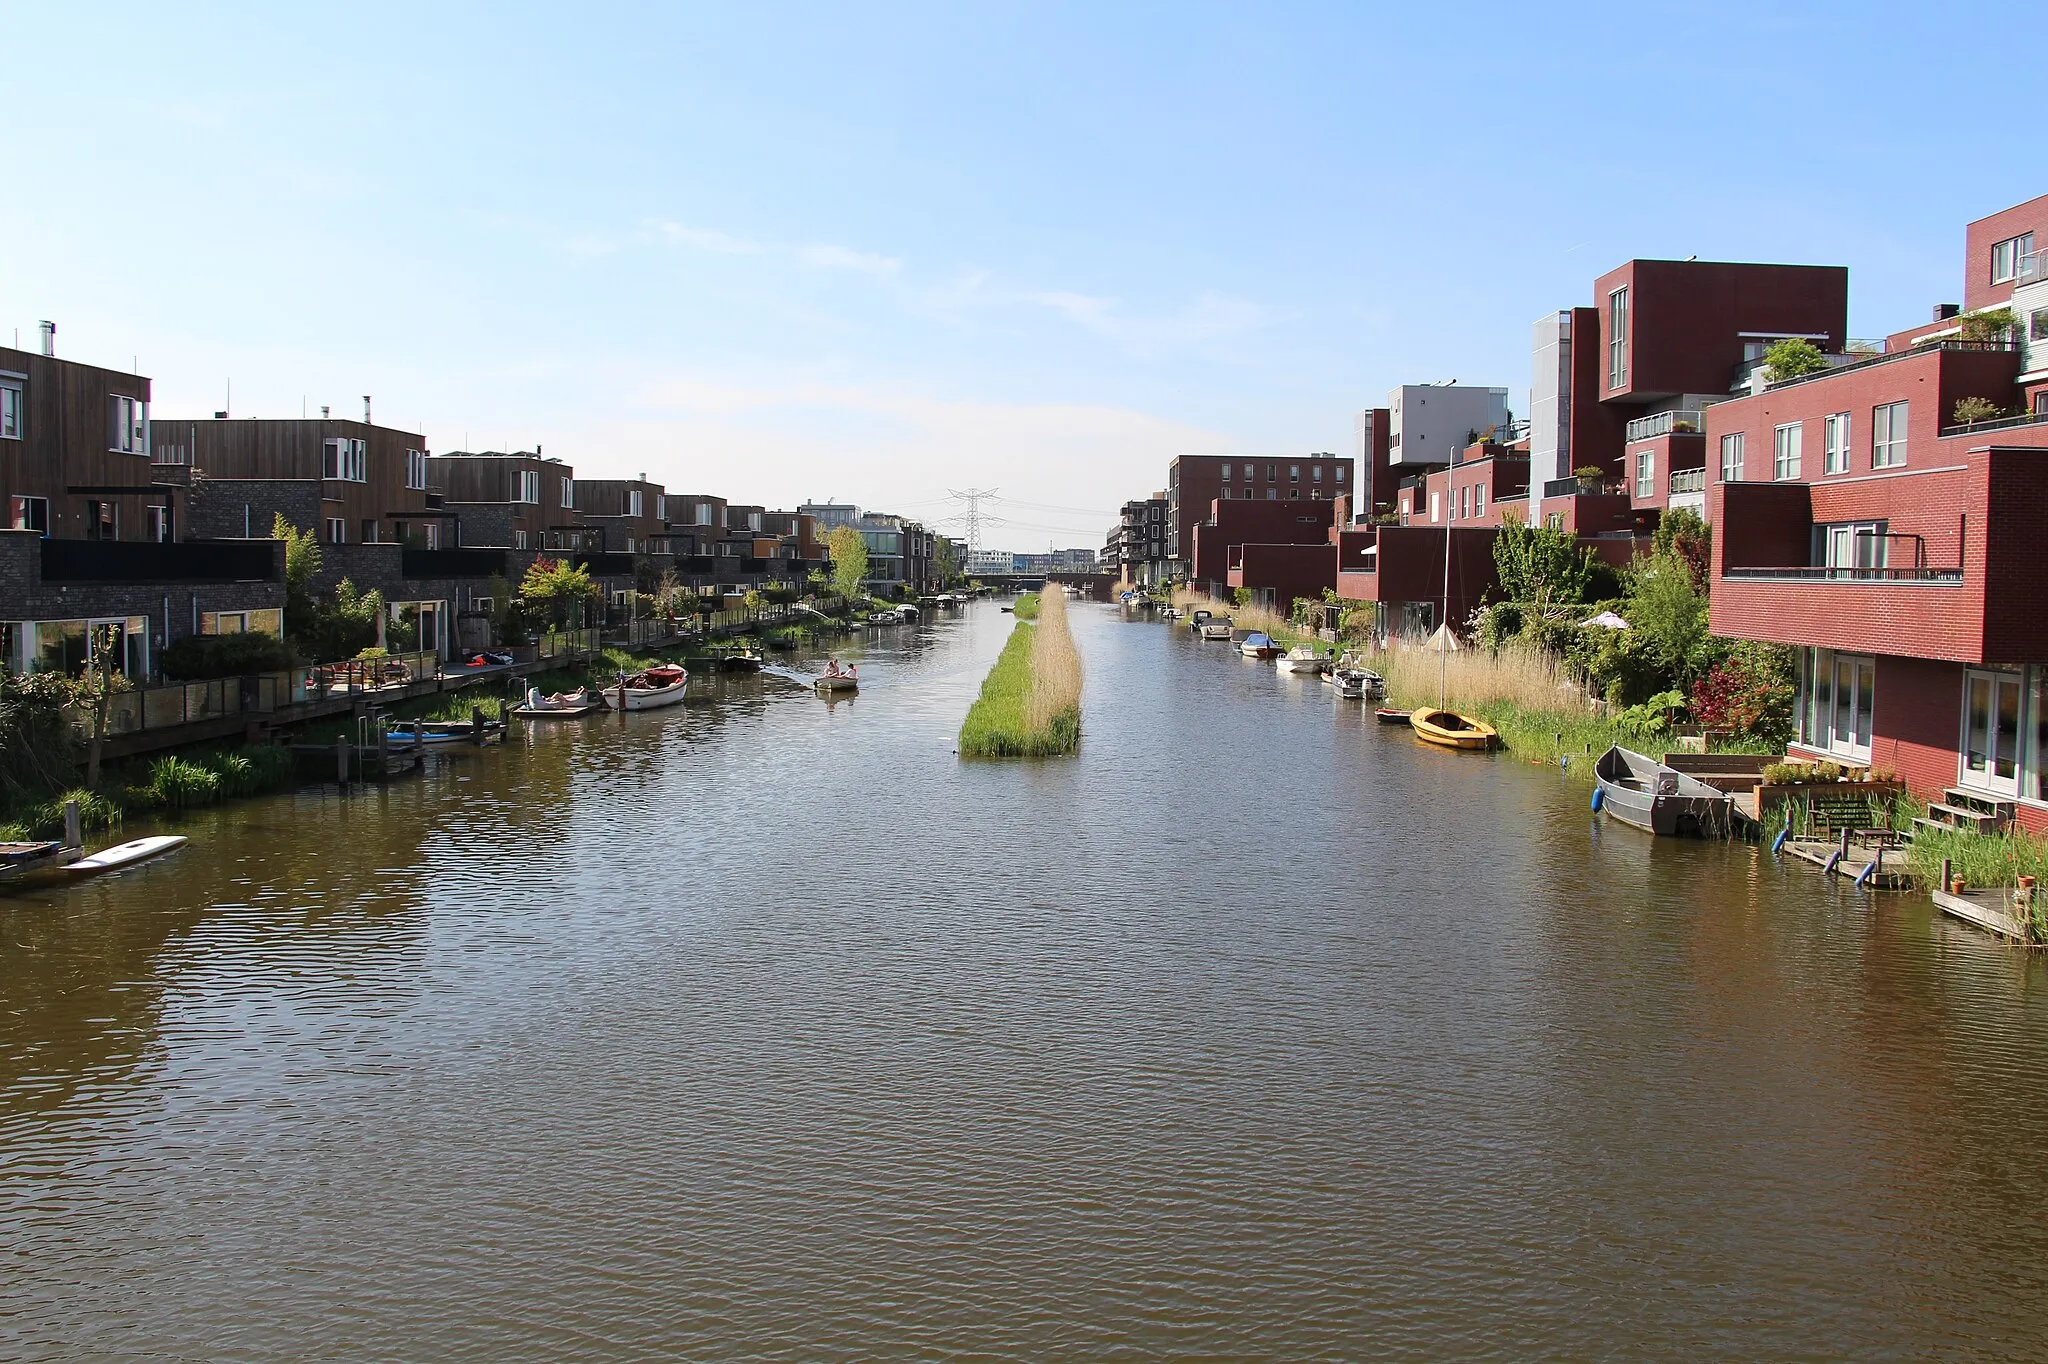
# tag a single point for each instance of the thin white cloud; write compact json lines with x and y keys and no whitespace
{"x":828,"y":257}
{"x":700,"y":238}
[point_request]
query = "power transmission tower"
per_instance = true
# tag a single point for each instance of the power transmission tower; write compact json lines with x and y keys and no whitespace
{"x":972,"y":516}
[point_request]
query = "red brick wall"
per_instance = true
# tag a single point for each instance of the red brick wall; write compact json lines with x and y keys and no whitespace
{"x":1238,"y":522}
{"x":1596,"y":429}
{"x":1979,"y":237}
{"x":1685,"y":318}
{"x":1287,"y":571}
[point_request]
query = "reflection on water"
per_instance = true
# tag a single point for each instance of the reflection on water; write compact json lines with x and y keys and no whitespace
{"x":765,"y":1026}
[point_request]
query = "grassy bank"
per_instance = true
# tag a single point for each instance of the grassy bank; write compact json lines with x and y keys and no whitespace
{"x":1980,"y":859}
{"x":1027,"y":606}
{"x":1522,"y":692}
{"x":1259,"y":618}
{"x":166,"y":784}
{"x":1030,"y":703}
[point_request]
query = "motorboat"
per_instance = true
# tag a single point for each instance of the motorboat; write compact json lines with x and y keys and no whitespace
{"x":1448,"y":729}
{"x":1197,"y":619}
{"x":1643,"y":792}
{"x":1360,"y":684}
{"x":885,"y":618}
{"x":1171,"y":613}
{"x":1257,"y":644}
{"x":652,"y":688}
{"x":908,"y":613}
{"x":1217,"y":627}
{"x":560,"y":706}
{"x":1303,"y":658}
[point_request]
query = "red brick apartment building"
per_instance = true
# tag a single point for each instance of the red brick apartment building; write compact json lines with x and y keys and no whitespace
{"x":1900,"y":551}
{"x":1193,"y":482}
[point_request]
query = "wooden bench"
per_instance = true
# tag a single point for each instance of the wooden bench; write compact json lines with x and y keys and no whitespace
{"x":1830,"y":816}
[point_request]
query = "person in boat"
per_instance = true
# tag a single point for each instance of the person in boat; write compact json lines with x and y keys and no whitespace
{"x":832,"y":667}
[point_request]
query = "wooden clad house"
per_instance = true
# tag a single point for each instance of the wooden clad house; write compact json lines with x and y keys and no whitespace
{"x":354,"y":483}
{"x":630,"y":514}
{"x":520,"y":500}
{"x":75,"y":452}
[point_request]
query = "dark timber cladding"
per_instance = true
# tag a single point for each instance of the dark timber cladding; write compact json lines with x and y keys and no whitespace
{"x":64,"y":451}
{"x":372,"y":478}
{"x":530,"y":496}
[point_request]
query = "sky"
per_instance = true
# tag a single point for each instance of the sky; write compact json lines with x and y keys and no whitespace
{"x":885,"y":253}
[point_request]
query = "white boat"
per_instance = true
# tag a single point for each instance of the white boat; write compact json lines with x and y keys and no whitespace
{"x":1360,"y":684}
{"x":1170,"y":613}
{"x":653,"y":688}
{"x":885,"y":618}
{"x":1217,"y":627}
{"x":571,"y":706}
{"x":1302,"y":658}
{"x":828,"y":683}
{"x":125,"y":855}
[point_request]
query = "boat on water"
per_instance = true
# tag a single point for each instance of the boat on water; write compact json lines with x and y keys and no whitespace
{"x":832,"y":683}
{"x":652,"y":688}
{"x":572,"y":705}
{"x":1303,"y":658}
{"x":1387,"y":715}
{"x":1448,"y":729}
{"x":1361,"y":684}
{"x":125,"y":855}
{"x":1197,"y":619}
{"x":1641,"y":791}
{"x":405,"y":733}
{"x":1258,"y":644}
{"x":1171,"y":613}
{"x":1217,"y":627}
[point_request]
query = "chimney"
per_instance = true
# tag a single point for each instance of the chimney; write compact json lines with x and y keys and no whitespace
{"x":49,"y":330}
{"x":323,"y":412}
{"x":366,"y":409}
{"x":1942,"y":311}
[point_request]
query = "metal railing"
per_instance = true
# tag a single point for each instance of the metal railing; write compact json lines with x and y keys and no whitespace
{"x":1996,"y":424}
{"x":1688,"y":481}
{"x":184,"y":703}
{"x":1680,"y":421}
{"x":1920,"y":348}
{"x":1589,"y":487}
{"x":363,"y":676}
{"x":557,"y":643}
{"x":1846,"y":575}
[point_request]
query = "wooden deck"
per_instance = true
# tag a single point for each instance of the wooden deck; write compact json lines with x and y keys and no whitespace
{"x":1889,"y":872}
{"x":1988,"y":909}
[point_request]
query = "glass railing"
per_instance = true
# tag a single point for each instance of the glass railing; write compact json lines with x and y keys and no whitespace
{"x":1582,"y":487}
{"x":2033,"y":268}
{"x":1688,"y":481}
{"x":1682,"y":421}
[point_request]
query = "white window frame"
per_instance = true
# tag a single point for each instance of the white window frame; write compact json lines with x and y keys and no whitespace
{"x":1787,"y":448}
{"x":1888,"y":434}
{"x":1646,"y":473}
{"x":1732,"y":451}
{"x":13,"y":397}
{"x":526,"y":487}
{"x":635,"y":501}
{"x":1435,"y":511}
{"x":1978,"y":769}
{"x":416,"y":469}
{"x":1835,"y":443}
{"x":661,"y":507}
{"x":568,"y":492}
{"x":1854,"y":545}
{"x":337,"y":530}
{"x":157,"y":522}
{"x":127,"y":425}
{"x":1340,"y":472}
{"x":345,"y":460}
{"x":1823,"y":732}
{"x":1225,"y":476}
{"x":1617,"y":339}
{"x":2010,"y":251}
{"x":20,"y":512}
{"x":1479,"y":499}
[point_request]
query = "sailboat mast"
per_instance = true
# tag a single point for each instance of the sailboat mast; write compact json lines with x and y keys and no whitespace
{"x":1443,"y":637}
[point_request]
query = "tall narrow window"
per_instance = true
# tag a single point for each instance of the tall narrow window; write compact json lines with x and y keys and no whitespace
{"x":1226,"y":473}
{"x":10,"y":409}
{"x":1646,"y":473}
{"x":526,"y":486}
{"x":128,"y":426}
{"x":1835,"y":443}
{"x":1785,"y":455}
{"x":568,"y":492}
{"x":416,"y":469}
{"x":1888,"y":436}
{"x":1731,"y":457}
{"x":1479,"y":499}
{"x":337,"y":531}
{"x":633,"y":502}
{"x":1617,"y":338}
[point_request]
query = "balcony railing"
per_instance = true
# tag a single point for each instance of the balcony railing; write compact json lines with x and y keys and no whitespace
{"x":1583,"y":487}
{"x":2033,"y":268}
{"x":1999,"y":424}
{"x":1938,"y":343}
{"x":1684,"y":421}
{"x":1688,"y":481}
{"x":1846,"y":575}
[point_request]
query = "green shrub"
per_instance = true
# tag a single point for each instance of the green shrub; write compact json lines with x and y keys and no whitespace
{"x":196,"y":658}
{"x":95,"y":811}
{"x":1786,"y":774}
{"x":180,"y":784}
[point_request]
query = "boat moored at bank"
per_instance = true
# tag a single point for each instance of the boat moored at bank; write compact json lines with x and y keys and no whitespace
{"x":1643,"y":792}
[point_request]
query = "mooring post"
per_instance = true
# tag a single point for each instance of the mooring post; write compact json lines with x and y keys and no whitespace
{"x":1845,"y":845}
{"x":383,"y":752}
{"x":341,"y":760}
{"x":476,"y":723}
{"x":1948,"y":874}
{"x":74,"y":827}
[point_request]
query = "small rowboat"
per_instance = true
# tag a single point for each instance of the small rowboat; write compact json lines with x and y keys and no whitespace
{"x":573,"y":706}
{"x":1387,"y":715}
{"x":830,"y":683}
{"x":1644,"y":792}
{"x":1448,"y":729}
{"x":1303,"y":658}
{"x":654,"y":687}
{"x":440,"y":733}
{"x":125,"y":855}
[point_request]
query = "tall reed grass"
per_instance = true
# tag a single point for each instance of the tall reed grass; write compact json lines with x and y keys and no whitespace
{"x":1243,"y":617}
{"x":1030,"y":703}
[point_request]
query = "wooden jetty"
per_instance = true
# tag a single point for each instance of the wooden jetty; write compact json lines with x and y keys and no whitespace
{"x":1875,"y":866}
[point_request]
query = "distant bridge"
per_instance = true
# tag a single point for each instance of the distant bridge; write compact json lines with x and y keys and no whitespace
{"x":1095,"y":585}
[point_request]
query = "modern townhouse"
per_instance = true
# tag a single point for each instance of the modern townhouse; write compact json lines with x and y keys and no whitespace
{"x":1142,"y":540}
{"x":96,"y":554}
{"x":630,"y":515}
{"x":1216,"y":566}
{"x":1858,"y":518}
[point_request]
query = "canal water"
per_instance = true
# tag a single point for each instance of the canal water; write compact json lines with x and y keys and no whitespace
{"x":768,"y":1028}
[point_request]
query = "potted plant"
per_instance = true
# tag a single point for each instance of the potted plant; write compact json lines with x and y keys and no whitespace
{"x":1590,"y":477}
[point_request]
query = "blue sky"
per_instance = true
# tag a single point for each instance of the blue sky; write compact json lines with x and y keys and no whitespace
{"x":874,"y":253}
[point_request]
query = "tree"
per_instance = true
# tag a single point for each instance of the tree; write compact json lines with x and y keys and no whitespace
{"x":558,"y":588}
{"x":1682,"y":534}
{"x":849,"y":554}
{"x":1970,"y":410}
{"x":1539,"y":565}
{"x":1992,"y":324}
{"x":1667,"y":611}
{"x":1748,"y":694}
{"x":93,"y":691}
{"x":1792,"y":357}
{"x":946,"y":560}
{"x":301,"y":566}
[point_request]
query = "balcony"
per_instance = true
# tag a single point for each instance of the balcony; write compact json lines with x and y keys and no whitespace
{"x":1944,"y":343}
{"x":1684,"y":420}
{"x":1836,"y":574}
{"x":2033,"y":268}
{"x":132,"y":562}
{"x":1998,"y":424}
{"x":1584,"y":487}
{"x":1688,"y":481}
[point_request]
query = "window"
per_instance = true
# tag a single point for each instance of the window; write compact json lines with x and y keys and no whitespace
{"x":1731,"y":457}
{"x":519,"y":539}
{"x":1226,"y":473}
{"x":1272,"y":494}
{"x":1785,"y":460}
{"x":1554,"y":520}
{"x":1854,"y":545}
{"x":102,"y":521}
{"x":2037,"y":330}
{"x":1617,"y":338}
{"x":1294,"y":494}
{"x":128,"y":426}
{"x":337,"y":531}
{"x":1435,"y":512}
{"x":1479,"y":499}
{"x":1991,"y":731}
{"x":1226,"y":494}
{"x":270,"y":622}
{"x":159,"y":523}
{"x":568,"y":492}
{"x":526,"y":486}
{"x":703,"y":513}
{"x":432,"y":535}
{"x":1340,"y":473}
{"x":1315,"y":473}
{"x":1272,"y":473}
{"x":31,"y":513}
{"x":416,"y":469}
{"x":1835,"y":702}
{"x":1646,"y":473}
{"x":346,"y":461}
{"x":1888,"y":436}
{"x":661,"y":507}
{"x":2005,"y":257}
{"x":369,"y":531}
{"x":1294,"y":473}
{"x":633,"y":502}
{"x":10,"y":409}
{"x":1835,"y":443}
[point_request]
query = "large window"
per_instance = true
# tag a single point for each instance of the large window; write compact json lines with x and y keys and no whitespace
{"x":526,"y":486}
{"x":1731,"y":457}
{"x":416,"y":469}
{"x":634,"y":502}
{"x":1617,"y":338}
{"x":67,"y":645}
{"x":128,"y":426}
{"x":1836,"y":701}
{"x":1646,"y":473}
{"x":269,"y":622}
{"x":1855,"y":545}
{"x":2005,"y":257}
{"x":1835,"y":444}
{"x":1991,"y":731}
{"x":1888,"y":436}
{"x":337,"y":531}
{"x":568,"y":492}
{"x":10,"y":409}
{"x":1785,"y":451}
{"x":345,"y":460}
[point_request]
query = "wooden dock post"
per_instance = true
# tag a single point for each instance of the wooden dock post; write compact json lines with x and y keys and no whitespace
{"x":476,"y":724}
{"x":383,"y":753}
{"x":74,"y":827}
{"x":1948,"y":874}
{"x":341,"y":760}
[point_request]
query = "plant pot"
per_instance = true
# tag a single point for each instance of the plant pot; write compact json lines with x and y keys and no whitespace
{"x":1957,"y":885}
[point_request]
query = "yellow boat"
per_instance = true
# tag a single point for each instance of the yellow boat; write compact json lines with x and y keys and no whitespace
{"x":1452,"y":730}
